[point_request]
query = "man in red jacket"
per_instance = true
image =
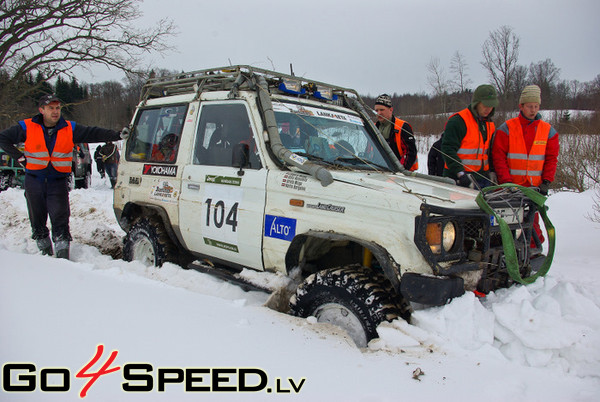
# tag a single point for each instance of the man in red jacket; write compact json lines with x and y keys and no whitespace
{"x":525,"y":149}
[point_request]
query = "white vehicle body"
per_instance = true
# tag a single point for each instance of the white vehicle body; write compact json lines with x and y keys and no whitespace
{"x":338,"y":199}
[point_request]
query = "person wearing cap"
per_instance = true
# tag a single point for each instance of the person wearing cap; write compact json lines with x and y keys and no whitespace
{"x":525,"y":149}
{"x":49,"y":140}
{"x":466,"y":139}
{"x":397,"y":132}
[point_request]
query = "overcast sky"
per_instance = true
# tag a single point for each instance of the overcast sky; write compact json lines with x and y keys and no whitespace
{"x":373,"y":46}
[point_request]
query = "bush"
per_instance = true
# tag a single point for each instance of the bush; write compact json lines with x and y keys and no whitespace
{"x":578,"y":162}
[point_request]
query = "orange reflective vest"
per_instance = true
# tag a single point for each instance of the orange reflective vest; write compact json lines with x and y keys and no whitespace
{"x":526,"y":169}
{"x":37,"y":153}
{"x":403,"y":149}
{"x":473,"y":151}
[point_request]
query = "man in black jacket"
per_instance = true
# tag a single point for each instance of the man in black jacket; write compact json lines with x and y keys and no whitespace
{"x":435,"y":159}
{"x":49,"y":140}
{"x":110,"y":157}
{"x":99,"y":161}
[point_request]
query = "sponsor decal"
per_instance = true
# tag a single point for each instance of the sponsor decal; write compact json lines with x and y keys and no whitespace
{"x":164,"y":191}
{"x":221,"y":244}
{"x":294,"y":181}
{"x":231,"y":181}
{"x":138,"y":377}
{"x":160,"y":170}
{"x":313,"y":111}
{"x":135,"y":180}
{"x":304,"y":111}
{"x":300,"y":160}
{"x":280,"y":227}
{"x":327,"y":207}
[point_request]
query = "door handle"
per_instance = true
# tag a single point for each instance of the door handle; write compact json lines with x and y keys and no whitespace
{"x":192,"y":186}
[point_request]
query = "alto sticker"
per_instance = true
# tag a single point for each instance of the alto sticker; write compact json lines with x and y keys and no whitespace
{"x":280,"y":227}
{"x":160,"y":170}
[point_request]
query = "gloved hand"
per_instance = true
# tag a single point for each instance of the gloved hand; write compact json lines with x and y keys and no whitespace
{"x":125,"y":133}
{"x":543,"y":187}
{"x":464,"y":180}
{"x":493,"y":178}
{"x":22,"y":161}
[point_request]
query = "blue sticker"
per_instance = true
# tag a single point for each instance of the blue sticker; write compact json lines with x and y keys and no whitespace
{"x":280,"y":227}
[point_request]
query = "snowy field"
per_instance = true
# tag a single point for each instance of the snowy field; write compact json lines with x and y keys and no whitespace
{"x":535,"y":343}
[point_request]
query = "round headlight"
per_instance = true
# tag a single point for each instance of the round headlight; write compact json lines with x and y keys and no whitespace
{"x":448,"y":236}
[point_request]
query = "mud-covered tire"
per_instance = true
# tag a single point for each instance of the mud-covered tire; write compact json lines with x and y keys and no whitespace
{"x":148,"y":242}
{"x":6,"y":180}
{"x":84,"y":182}
{"x":352,"y":297}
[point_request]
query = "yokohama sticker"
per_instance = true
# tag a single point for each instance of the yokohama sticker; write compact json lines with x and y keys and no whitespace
{"x":160,"y":170}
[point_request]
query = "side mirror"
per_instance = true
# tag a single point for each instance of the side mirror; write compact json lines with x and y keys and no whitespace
{"x":240,"y":157}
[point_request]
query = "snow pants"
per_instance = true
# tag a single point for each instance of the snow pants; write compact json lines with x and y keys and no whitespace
{"x":48,"y":197}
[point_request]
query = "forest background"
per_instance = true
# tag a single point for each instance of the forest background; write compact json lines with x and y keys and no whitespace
{"x":42,"y":48}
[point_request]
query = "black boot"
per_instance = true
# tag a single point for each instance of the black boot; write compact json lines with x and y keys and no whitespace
{"x":45,"y":245}
{"x":62,"y":248}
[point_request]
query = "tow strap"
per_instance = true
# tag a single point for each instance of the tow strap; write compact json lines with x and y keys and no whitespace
{"x":508,"y":243}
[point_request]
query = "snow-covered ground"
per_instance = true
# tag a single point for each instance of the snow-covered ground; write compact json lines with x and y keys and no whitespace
{"x":528,"y":343}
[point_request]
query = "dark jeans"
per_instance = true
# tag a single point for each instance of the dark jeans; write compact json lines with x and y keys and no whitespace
{"x":111,"y":172}
{"x":48,"y":197}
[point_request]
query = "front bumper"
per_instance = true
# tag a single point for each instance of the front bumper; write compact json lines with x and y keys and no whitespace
{"x":478,"y":244}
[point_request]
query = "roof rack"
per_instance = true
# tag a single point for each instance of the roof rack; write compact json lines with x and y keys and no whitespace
{"x":225,"y":78}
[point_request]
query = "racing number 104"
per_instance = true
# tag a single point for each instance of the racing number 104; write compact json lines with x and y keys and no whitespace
{"x":218,"y":214}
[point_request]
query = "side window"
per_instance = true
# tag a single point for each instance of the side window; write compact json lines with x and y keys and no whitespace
{"x":220,"y":129}
{"x":156,"y":134}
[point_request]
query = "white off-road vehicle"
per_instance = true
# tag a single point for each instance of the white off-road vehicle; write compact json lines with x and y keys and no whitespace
{"x":239,"y":168}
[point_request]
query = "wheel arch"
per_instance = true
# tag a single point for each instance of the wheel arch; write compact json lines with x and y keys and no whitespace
{"x":310,"y":245}
{"x":132,"y":211}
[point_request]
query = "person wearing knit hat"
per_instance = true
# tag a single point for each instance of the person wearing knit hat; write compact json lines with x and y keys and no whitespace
{"x":466,"y":140}
{"x":531,"y":94}
{"x":397,"y":132}
{"x":525,"y":149}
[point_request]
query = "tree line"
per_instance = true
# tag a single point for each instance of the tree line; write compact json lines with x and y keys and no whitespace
{"x":42,"y":42}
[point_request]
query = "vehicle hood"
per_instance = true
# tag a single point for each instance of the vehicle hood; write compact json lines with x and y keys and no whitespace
{"x":427,"y":191}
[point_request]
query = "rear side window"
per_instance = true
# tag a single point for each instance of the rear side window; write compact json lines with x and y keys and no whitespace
{"x":156,"y":134}
{"x":221,"y":128}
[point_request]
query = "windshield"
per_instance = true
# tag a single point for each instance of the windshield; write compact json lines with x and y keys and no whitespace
{"x":327,"y":136}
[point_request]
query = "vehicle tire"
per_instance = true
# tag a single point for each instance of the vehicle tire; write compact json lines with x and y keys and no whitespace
{"x":71,"y":181}
{"x":354,"y":298}
{"x":6,"y":180}
{"x":148,"y":242}
{"x":87,"y":180}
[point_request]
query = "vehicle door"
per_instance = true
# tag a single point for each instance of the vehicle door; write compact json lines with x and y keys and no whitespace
{"x":222,"y":205}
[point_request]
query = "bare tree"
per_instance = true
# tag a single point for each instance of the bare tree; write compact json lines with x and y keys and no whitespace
{"x":500,"y":56}
{"x":545,"y":75}
{"x":437,"y":81}
{"x":458,"y":68}
{"x":52,"y":37}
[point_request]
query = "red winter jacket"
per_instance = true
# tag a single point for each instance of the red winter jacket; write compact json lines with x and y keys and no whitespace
{"x":500,"y":149}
